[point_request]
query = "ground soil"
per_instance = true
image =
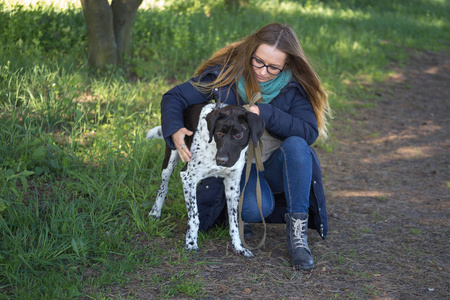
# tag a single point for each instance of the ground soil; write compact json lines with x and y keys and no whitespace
{"x":387,"y":183}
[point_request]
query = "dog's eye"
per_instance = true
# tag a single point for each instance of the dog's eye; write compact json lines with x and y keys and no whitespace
{"x":220,"y":133}
{"x":238,"y":135}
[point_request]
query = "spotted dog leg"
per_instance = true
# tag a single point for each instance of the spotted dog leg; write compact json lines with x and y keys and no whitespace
{"x":190,"y":195}
{"x":232,"y":192}
{"x":162,"y":192}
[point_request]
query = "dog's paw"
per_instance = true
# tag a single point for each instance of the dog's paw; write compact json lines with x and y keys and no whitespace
{"x":191,"y":247}
{"x":154,"y":215}
{"x":245,"y":253}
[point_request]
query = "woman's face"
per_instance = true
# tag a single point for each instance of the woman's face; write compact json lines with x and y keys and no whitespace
{"x":268,"y":59}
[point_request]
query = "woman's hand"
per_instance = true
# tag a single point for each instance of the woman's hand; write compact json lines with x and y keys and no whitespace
{"x":255,"y":109}
{"x":178,"y":140}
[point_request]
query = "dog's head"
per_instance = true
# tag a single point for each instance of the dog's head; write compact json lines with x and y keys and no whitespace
{"x":232,"y":128}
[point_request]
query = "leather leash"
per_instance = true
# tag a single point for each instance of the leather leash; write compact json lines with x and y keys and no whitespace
{"x":252,"y":152}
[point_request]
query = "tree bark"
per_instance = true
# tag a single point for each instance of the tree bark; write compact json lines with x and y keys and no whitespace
{"x":102,"y":47}
{"x":109,"y":30}
{"x":124,"y":12}
{"x":235,"y":4}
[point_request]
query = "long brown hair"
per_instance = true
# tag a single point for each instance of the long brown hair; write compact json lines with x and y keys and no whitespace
{"x":236,"y":61}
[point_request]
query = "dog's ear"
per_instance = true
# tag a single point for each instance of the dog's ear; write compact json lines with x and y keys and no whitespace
{"x":211,"y":120}
{"x":256,"y":125}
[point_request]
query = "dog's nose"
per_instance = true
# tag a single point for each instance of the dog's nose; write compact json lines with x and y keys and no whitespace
{"x":221,"y":160}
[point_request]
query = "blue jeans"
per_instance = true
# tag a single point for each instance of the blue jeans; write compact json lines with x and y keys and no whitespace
{"x":288,"y":170}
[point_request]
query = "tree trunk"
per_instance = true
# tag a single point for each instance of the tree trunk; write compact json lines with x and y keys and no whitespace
{"x":102,"y":48}
{"x":109,"y":30}
{"x":235,"y":4}
{"x":124,"y":12}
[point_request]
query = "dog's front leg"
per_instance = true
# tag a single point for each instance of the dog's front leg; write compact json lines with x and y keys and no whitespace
{"x":232,"y":192}
{"x":190,"y":196}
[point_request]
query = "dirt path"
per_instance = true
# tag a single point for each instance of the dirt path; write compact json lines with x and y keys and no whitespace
{"x":387,"y":183}
{"x":388,"y":200}
{"x":387,"y":190}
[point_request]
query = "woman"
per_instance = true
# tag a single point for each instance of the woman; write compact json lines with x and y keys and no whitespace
{"x":294,"y":107}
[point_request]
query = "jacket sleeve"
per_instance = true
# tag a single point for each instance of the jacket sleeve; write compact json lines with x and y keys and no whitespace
{"x":294,"y":117}
{"x":173,"y":104}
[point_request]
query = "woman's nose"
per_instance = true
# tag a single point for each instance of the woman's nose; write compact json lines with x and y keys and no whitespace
{"x":263,"y":71}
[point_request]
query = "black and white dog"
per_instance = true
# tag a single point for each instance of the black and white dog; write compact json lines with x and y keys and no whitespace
{"x":218,"y":146}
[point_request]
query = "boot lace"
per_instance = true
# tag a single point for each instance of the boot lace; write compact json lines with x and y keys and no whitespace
{"x":299,"y":228}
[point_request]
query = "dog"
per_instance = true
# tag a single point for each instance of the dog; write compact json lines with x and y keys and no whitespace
{"x":218,"y":146}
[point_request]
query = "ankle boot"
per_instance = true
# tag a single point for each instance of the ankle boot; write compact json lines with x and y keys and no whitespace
{"x":297,"y":241}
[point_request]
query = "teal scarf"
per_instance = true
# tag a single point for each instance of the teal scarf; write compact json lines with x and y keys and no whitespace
{"x":269,"y":89}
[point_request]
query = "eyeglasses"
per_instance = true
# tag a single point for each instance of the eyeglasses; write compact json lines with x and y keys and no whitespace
{"x":257,"y":63}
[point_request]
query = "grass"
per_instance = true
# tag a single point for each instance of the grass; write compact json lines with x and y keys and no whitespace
{"x":77,"y":178}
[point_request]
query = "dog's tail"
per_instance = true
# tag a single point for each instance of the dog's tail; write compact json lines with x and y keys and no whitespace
{"x":154,"y":133}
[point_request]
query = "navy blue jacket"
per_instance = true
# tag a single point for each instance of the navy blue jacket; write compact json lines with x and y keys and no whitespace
{"x":290,"y":113}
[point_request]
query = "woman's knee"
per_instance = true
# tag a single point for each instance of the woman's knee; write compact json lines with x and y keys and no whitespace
{"x":296,"y":143}
{"x":296,"y":149}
